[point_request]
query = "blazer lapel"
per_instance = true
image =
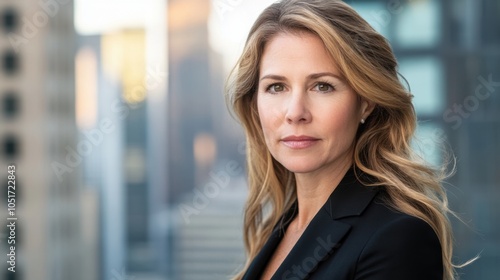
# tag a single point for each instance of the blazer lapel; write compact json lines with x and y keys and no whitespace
{"x":319,"y":240}
{"x":259,"y":263}
{"x":325,"y":232}
{"x":323,"y":235}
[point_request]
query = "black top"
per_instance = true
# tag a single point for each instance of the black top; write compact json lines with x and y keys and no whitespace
{"x":355,"y":235}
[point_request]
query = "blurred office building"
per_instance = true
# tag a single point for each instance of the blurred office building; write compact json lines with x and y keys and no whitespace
{"x":197,"y":115}
{"x":449,"y":51}
{"x":208,"y":234}
{"x":55,"y":230}
{"x":206,"y":239}
{"x":112,"y":85}
{"x":162,"y":145}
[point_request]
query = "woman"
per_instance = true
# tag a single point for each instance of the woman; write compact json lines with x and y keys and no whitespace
{"x":335,"y":191}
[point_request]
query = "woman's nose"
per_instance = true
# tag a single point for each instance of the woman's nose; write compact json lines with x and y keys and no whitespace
{"x":297,"y":109}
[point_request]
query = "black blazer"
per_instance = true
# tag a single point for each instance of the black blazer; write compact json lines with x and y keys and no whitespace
{"x":355,"y":235}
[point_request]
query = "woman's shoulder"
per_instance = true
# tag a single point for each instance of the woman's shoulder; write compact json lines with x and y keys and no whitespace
{"x":388,"y":221}
{"x":399,"y":227}
{"x":400,"y":244}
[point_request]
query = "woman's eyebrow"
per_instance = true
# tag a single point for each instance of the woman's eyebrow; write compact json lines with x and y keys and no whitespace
{"x":310,"y":77}
{"x":322,"y":74}
{"x":273,"y":77}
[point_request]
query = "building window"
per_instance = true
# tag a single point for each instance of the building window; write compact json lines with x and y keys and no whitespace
{"x":10,"y":104}
{"x":10,"y":62}
{"x":9,"y":19}
{"x":417,"y":25}
{"x":429,"y":99}
{"x":10,"y":146}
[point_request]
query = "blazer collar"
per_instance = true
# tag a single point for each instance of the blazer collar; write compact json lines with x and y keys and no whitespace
{"x":323,"y":235}
{"x":350,"y":198}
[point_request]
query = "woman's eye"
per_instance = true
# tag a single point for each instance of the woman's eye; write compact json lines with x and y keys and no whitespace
{"x":276,"y":88}
{"x":324,"y":87}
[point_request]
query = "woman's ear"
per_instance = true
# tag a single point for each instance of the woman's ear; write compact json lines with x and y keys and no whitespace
{"x":366,"y":108}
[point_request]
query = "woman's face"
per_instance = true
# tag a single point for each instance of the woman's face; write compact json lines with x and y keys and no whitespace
{"x":309,"y":114}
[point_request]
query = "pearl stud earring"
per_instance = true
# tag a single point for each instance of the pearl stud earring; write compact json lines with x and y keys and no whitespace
{"x":362,"y":121}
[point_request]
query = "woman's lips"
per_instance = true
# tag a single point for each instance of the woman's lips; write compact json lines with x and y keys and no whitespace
{"x":299,"y":142}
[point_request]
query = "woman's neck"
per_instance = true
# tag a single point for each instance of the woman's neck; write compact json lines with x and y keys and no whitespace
{"x":313,"y":190}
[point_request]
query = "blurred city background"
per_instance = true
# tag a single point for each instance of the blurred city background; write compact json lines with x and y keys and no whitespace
{"x":130,"y":167}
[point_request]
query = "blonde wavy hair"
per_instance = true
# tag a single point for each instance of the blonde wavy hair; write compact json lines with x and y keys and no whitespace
{"x":382,"y":145}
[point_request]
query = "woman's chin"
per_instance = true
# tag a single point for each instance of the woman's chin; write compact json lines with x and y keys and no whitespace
{"x":300,"y":168}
